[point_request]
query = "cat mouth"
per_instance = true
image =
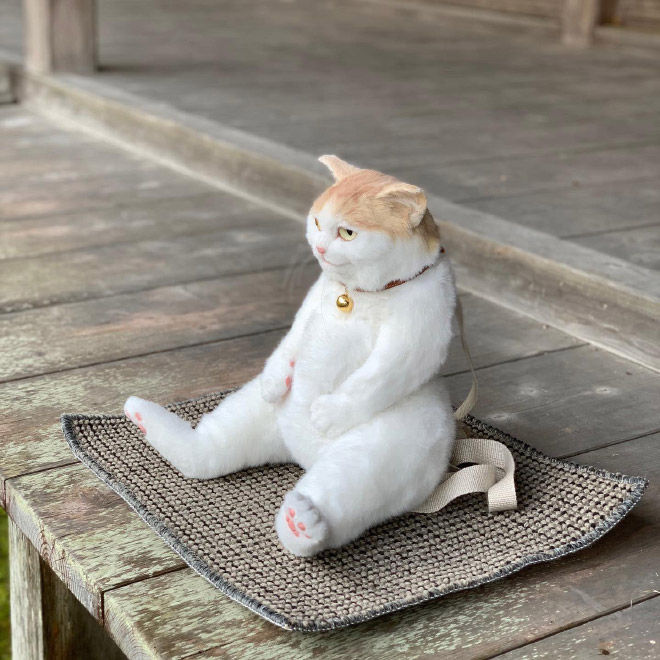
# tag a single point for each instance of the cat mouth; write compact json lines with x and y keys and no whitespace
{"x":329,"y":262}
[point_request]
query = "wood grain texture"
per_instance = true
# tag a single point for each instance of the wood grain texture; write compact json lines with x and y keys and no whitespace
{"x":126,"y":267}
{"x":52,"y":197}
{"x":78,"y":334}
{"x":638,"y":246}
{"x":86,"y":533}
{"x":30,"y":432}
{"x":538,"y":601}
{"x":93,"y":494}
{"x":561,"y":171}
{"x":48,"y":623}
{"x":123,"y":326}
{"x":69,"y":630}
{"x":27,"y":625}
{"x":633,"y":632}
{"x":579,"y":211}
{"x":163,"y":219}
{"x":567,"y":402}
{"x":608,"y":301}
{"x":60,"y":35}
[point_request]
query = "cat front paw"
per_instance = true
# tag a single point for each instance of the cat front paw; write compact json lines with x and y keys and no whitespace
{"x":276,"y":379}
{"x":332,"y":414}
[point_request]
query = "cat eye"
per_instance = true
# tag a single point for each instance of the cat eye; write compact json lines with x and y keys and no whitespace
{"x":347,"y":234}
{"x":316,"y":222}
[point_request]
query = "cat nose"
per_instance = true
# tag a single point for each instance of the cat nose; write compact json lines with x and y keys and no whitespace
{"x":321,"y":250}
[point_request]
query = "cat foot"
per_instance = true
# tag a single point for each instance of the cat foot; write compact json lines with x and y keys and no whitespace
{"x":300,"y":527}
{"x":166,"y":432}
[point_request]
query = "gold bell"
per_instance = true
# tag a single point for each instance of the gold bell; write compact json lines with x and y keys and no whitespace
{"x":345,"y":302}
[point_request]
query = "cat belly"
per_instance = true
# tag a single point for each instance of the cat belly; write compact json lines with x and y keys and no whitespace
{"x":333,"y":350}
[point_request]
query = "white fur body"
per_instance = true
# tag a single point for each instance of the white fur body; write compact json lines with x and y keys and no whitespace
{"x":354,"y":398}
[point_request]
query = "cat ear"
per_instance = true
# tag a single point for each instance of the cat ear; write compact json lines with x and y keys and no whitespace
{"x":340,"y":168}
{"x":408,"y":195}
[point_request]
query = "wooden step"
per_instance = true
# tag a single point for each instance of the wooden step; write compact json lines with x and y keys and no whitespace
{"x":599,"y":298}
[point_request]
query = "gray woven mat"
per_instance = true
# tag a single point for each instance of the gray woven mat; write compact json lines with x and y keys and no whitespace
{"x":224,"y":528}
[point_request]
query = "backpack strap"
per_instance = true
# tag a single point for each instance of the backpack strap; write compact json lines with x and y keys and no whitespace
{"x":492,"y":466}
{"x":471,"y":399}
{"x":491,"y":473}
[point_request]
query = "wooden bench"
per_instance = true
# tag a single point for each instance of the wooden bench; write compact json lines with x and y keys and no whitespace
{"x":120,"y":277}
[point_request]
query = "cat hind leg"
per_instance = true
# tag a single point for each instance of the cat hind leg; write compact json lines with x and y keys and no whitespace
{"x":300,"y":526}
{"x":171,"y":436}
{"x":373,"y":472}
{"x":241,"y":432}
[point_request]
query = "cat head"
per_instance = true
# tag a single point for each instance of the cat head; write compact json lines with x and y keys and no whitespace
{"x":369,"y":228}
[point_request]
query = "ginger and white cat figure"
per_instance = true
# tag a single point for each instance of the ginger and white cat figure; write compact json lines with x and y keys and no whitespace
{"x":352,"y":393}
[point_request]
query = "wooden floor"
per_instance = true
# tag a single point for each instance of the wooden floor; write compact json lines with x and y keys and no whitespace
{"x":500,"y":118}
{"x":120,"y":277}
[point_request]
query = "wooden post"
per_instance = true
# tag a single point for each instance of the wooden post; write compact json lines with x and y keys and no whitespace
{"x":578,"y":19}
{"x":47,"y":622}
{"x":60,"y":35}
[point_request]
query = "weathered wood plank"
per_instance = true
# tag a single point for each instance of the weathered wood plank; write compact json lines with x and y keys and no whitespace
{"x":27,"y":626}
{"x":633,"y":632}
{"x":71,"y":631}
{"x":122,"y":326}
{"x":80,"y":334}
{"x":127,"y":267}
{"x":48,"y":623}
{"x":581,"y":210}
{"x":638,"y":246}
{"x":60,"y":35}
{"x":540,"y":600}
{"x":567,"y":402}
{"x":560,"y":171}
{"x":30,"y":431}
{"x":30,"y":434}
{"x":62,"y":163}
{"x":139,"y":221}
{"x":59,"y":515}
{"x":607,"y":301}
{"x":54,"y":197}
{"x":70,"y":517}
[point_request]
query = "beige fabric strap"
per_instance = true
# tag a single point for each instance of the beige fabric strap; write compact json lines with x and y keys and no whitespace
{"x":492,"y":474}
{"x":493,"y":465}
{"x":471,"y":399}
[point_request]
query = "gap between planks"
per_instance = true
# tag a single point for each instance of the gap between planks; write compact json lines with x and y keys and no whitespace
{"x":466,"y":201}
{"x":152,"y":287}
{"x":571,"y":626}
{"x":459,"y":372}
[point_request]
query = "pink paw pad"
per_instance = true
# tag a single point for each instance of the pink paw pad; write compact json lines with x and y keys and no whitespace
{"x":292,"y":363}
{"x":290,"y":522}
{"x":292,"y":526}
{"x":288,"y":382}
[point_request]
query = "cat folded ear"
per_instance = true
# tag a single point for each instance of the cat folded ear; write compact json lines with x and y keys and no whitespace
{"x":408,"y":195}
{"x":340,"y":168}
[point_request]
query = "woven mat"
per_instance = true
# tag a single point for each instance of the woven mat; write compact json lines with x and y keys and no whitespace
{"x":223,"y":528}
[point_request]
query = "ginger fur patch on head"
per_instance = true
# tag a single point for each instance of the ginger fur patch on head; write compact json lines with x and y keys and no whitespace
{"x":373,"y":201}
